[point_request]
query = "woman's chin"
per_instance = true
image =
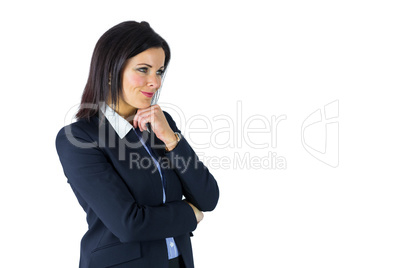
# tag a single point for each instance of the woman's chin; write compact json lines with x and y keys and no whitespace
{"x":141,"y":105}
{"x":144,"y":105}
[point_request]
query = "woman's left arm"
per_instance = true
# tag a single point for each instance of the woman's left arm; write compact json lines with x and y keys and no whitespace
{"x":199,"y":185}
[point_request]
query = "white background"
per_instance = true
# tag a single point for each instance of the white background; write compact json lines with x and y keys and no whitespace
{"x":276,"y":58}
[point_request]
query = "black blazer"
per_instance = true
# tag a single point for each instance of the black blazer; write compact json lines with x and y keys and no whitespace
{"x":120,"y":189}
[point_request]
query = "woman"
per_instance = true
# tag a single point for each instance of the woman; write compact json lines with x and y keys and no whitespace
{"x":127,"y":162}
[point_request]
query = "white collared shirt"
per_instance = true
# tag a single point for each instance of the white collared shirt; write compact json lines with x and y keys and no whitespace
{"x":119,"y":124}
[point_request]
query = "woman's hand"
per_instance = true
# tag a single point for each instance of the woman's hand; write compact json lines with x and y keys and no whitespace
{"x":154,"y":115}
{"x":198,"y":214}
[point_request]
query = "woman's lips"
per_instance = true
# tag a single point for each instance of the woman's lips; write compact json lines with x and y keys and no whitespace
{"x":147,"y":94}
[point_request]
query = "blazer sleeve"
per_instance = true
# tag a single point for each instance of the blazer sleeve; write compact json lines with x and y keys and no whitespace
{"x":100,"y":186}
{"x":199,"y":185}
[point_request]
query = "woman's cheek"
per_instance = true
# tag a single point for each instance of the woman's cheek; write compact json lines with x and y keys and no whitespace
{"x":137,"y":81}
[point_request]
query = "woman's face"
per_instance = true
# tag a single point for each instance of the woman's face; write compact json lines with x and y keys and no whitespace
{"x":142,"y":77}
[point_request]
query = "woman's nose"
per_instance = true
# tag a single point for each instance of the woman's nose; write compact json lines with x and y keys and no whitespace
{"x":154,"y":81}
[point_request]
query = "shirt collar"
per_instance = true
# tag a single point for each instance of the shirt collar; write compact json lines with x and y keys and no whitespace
{"x":119,"y":124}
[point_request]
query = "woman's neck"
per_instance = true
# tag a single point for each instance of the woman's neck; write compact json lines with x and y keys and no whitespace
{"x":125,"y":111}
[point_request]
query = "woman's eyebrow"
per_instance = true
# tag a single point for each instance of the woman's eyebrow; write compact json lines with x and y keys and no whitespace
{"x":150,"y":66}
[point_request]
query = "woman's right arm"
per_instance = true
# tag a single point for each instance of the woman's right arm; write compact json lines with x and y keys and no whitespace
{"x":95,"y":180}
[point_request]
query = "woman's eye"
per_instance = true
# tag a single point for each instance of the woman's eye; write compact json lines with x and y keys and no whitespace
{"x":143,"y":70}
